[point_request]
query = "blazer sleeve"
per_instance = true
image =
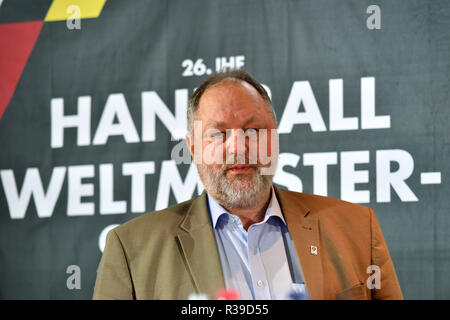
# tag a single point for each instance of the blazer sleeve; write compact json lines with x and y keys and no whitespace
{"x":113,"y":275}
{"x":389,"y":285}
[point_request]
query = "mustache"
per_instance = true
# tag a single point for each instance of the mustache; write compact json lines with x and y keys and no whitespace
{"x":227,"y":167}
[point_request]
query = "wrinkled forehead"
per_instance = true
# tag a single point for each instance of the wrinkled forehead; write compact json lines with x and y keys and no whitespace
{"x":234,"y":104}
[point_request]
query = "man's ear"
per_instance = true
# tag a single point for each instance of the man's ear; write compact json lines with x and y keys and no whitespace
{"x":190,"y":143}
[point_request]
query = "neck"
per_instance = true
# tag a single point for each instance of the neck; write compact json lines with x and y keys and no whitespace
{"x":253,"y":214}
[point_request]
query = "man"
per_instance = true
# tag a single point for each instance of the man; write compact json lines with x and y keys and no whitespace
{"x":244,"y":233}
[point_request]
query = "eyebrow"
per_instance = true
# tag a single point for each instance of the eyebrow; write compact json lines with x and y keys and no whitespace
{"x":223,"y":124}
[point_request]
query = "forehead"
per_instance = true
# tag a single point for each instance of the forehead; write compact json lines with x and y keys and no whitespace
{"x":232,"y":103}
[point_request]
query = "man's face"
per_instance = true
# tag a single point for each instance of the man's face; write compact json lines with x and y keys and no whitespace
{"x":234,"y":148}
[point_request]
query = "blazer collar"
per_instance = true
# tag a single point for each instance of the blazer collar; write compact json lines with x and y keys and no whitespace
{"x":199,"y":249}
{"x":303,"y":226}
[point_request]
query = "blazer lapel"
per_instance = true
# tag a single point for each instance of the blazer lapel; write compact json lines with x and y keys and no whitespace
{"x":199,"y":249}
{"x":304,"y":230}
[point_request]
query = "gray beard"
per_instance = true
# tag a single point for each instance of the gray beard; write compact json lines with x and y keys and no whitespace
{"x":244,"y":191}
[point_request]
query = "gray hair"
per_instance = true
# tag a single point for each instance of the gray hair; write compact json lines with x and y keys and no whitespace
{"x":237,"y":75}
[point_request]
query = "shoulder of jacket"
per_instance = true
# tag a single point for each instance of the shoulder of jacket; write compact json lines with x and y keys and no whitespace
{"x":322,"y":204}
{"x":165,"y":220}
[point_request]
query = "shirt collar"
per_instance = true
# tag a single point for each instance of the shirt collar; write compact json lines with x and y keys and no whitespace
{"x":216,"y":210}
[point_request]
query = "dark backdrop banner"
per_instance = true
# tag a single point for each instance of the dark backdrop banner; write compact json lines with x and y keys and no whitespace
{"x":93,"y":97}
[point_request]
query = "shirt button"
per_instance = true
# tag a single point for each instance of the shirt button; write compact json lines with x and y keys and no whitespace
{"x":232,"y":219}
{"x":260,"y":283}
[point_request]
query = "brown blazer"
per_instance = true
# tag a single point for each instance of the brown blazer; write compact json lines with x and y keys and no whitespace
{"x":171,"y":253}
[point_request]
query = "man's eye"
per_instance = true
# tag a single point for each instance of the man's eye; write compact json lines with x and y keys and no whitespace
{"x":216,"y":134}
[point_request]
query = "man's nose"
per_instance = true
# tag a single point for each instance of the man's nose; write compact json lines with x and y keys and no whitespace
{"x":236,"y":144}
{"x":233,"y":138}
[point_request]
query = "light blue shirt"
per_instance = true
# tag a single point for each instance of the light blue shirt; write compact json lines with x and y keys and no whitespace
{"x":260,"y":263}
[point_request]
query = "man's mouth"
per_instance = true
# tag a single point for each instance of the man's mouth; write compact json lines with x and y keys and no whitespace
{"x":240,"y":168}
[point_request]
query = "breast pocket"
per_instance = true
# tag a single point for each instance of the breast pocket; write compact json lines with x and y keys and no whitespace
{"x":357,"y":292}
